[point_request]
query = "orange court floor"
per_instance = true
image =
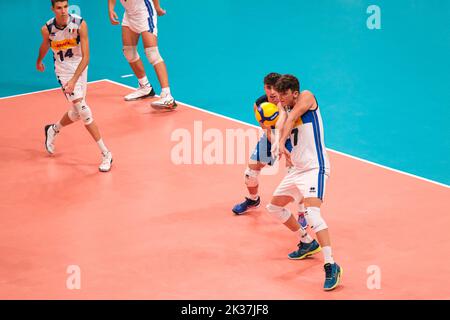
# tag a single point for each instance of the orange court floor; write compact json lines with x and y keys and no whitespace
{"x":153,"y":229}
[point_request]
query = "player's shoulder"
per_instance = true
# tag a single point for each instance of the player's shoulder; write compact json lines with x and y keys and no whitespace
{"x":261,"y":99}
{"x":310,"y":98}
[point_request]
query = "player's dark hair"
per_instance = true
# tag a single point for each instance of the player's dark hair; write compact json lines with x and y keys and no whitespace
{"x":286,"y":82}
{"x":55,"y":1}
{"x":271,"y":78}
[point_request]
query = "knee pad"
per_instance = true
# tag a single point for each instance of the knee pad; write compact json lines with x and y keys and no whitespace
{"x":279,"y":213}
{"x":74,"y":116}
{"x":251,"y":177}
{"x":153,"y":56}
{"x":314,"y":219}
{"x":131,"y":53}
{"x":85,"y":112}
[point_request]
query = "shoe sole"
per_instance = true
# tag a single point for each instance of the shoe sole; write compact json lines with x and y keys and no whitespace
{"x":46,"y":138}
{"x":306,"y":255}
{"x":250,"y":209}
{"x":341,"y":272}
{"x":151,"y":94}
{"x":110,"y":166}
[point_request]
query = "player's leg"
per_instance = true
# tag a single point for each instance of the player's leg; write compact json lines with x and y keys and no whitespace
{"x":130,"y":40}
{"x":252,"y":183}
{"x":261,"y":156}
{"x":315,"y":186}
{"x":150,"y":40}
{"x":51,"y":130}
{"x":78,"y":99}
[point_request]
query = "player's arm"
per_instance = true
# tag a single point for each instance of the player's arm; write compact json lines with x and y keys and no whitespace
{"x":275,"y":140}
{"x":113,"y":17}
{"x":305,"y":103}
{"x":158,"y":8}
{"x":84,"y":42}
{"x":43,"y":49}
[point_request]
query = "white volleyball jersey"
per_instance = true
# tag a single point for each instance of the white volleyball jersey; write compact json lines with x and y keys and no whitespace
{"x":308,"y":147}
{"x":133,"y":7}
{"x":65,"y":44}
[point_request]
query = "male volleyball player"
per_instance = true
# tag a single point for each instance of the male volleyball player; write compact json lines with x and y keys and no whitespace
{"x":265,"y":153}
{"x":67,"y":35}
{"x":140,"y":19}
{"x":309,"y":173}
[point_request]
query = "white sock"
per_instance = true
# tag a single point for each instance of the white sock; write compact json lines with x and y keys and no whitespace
{"x":102,"y":146}
{"x":143,"y":81}
{"x":166,"y":91}
{"x":253,"y":197}
{"x":327,"y":254}
{"x":57,"y":126}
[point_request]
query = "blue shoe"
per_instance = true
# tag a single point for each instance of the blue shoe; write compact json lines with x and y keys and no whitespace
{"x":333,"y":274}
{"x":243,"y":207}
{"x":305,"y":250}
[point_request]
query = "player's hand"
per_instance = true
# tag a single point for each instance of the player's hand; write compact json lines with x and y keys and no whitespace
{"x":69,"y":86}
{"x":275,"y":149}
{"x":285,"y":152}
{"x":113,"y":18}
{"x":160,"y":11}
{"x":40,"y":66}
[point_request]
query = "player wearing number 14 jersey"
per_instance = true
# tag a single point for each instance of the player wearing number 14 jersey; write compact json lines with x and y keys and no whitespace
{"x":66,"y":34}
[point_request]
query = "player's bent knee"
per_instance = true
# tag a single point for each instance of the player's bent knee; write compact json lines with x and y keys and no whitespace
{"x":251,"y":178}
{"x":73,"y":115}
{"x":314,"y":219}
{"x":153,"y":55}
{"x":280,"y":213}
{"x":131,"y":53}
{"x":85,"y":112}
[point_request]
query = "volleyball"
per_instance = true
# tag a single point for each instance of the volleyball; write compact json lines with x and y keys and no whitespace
{"x":267,"y":114}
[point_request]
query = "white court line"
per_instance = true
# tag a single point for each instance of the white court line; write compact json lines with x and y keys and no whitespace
{"x":127,"y":75}
{"x":337,"y":152}
{"x":255,"y":126}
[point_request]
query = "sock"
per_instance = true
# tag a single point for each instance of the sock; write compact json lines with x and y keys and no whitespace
{"x":165,"y":91}
{"x":328,"y":256}
{"x":57,"y":126}
{"x":253,"y":197}
{"x":305,"y":237}
{"x":143,"y":81}
{"x":102,"y":146}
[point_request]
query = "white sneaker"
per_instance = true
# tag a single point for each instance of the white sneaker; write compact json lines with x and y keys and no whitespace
{"x":140,"y":93}
{"x":107,"y":160}
{"x":166,"y":101}
{"x":50,"y":134}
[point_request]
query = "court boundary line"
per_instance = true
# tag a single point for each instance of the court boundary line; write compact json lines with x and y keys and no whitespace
{"x":249,"y":125}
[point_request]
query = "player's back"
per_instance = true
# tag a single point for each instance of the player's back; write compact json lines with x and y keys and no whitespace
{"x":308,"y":144}
{"x":65,"y":44}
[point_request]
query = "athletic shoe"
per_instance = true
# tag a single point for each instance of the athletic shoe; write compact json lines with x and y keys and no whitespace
{"x":305,"y":250}
{"x":333,"y":274}
{"x":141,"y":93}
{"x":248,"y":204}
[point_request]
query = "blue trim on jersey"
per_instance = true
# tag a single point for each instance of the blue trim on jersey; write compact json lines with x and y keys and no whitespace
{"x":308,"y":117}
{"x":316,"y":129}
{"x":150,"y":18}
